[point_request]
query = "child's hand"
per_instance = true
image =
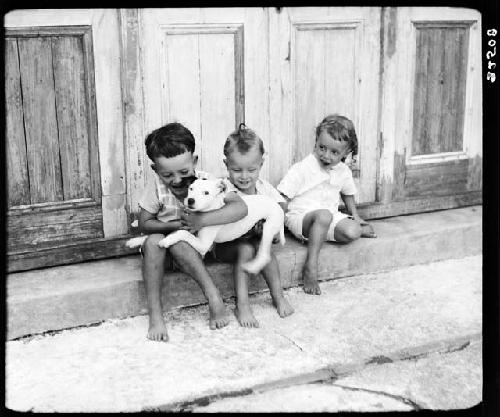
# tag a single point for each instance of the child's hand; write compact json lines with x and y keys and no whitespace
{"x":257,"y":229}
{"x":366,"y":228}
{"x":191,"y":220}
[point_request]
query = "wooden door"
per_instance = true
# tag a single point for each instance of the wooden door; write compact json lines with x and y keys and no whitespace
{"x":205,"y":68}
{"x":56,"y":134}
{"x":324,"y":60}
{"x":431,"y":127}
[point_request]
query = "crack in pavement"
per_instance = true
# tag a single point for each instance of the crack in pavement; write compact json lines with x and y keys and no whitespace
{"x":442,"y":347}
{"x":332,"y":373}
{"x":290,"y":340}
{"x":400,"y":398}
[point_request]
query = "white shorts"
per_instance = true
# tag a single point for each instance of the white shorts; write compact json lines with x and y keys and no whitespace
{"x":293,"y":222}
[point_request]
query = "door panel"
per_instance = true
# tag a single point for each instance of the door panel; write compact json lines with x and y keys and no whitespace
{"x":39,"y":109}
{"x":440,"y":80}
{"x":66,"y":173}
{"x":434,"y":78}
{"x":200,"y":93}
{"x":53,"y":168}
{"x":324,"y":78}
{"x":324,"y":61}
{"x":17,"y":179}
{"x":201,"y":58}
{"x":72,"y":116}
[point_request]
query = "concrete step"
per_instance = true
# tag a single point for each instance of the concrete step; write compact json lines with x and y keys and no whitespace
{"x":74,"y":295}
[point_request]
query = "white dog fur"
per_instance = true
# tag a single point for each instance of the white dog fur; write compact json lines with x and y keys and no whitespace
{"x":205,"y":195}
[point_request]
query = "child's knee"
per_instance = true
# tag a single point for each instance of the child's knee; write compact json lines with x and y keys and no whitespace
{"x":180,"y":249}
{"x":350,"y":231}
{"x":246,"y":251}
{"x":323,"y":218}
{"x":150,"y":245}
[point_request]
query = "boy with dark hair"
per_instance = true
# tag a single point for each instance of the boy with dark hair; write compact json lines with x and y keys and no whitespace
{"x":171,"y":148}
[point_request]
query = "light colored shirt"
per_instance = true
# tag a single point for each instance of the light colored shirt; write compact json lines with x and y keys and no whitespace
{"x":157,"y":199}
{"x":262,"y":187}
{"x":311,"y":187}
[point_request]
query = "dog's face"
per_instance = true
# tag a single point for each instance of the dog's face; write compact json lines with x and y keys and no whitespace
{"x":202,"y":192}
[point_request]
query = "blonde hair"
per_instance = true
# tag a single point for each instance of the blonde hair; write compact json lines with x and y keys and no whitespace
{"x":243,"y":139}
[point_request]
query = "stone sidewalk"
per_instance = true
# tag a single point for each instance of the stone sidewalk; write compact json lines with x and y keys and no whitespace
{"x":360,"y":327}
{"x":431,"y":381}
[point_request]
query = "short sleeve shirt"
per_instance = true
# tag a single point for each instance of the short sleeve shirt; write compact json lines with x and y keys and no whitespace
{"x":261,"y":186}
{"x":310,"y":187}
{"x":158,"y":199}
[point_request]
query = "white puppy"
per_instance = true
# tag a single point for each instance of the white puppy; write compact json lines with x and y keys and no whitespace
{"x":205,"y":195}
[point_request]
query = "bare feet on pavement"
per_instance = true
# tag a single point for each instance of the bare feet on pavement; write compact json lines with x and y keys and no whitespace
{"x":311,"y":285}
{"x":217,"y":311}
{"x":157,"y":330}
{"x":367,"y":230}
{"x":283,"y":307}
{"x":245,"y":316}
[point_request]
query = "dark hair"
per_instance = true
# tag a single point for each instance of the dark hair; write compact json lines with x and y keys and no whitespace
{"x":170,"y":140}
{"x":339,"y":128}
{"x":243,"y":139}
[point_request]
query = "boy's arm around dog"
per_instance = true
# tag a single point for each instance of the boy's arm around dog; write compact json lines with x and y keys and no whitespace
{"x":149,"y":224}
{"x":234,"y":209}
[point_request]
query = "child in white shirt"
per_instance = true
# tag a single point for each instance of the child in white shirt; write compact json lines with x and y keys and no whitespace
{"x":312,"y":188}
{"x":243,"y":153}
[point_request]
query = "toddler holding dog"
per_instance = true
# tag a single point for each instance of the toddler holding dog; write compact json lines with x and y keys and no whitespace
{"x":243,"y":153}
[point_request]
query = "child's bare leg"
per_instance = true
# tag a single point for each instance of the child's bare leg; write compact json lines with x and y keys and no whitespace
{"x":238,"y":253}
{"x":243,"y":312}
{"x":271,"y":274}
{"x":191,"y":263}
{"x":315,"y":227}
{"x":346,"y":231}
{"x":152,"y":273}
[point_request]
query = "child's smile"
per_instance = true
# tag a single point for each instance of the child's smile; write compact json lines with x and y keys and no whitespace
{"x":328,"y":151}
{"x":176,"y":172}
{"x":243,"y":169}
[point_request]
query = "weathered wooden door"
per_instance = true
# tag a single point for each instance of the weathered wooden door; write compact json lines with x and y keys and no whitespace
{"x":324,"y":60}
{"x":431,"y":128}
{"x":206,"y":68}
{"x":55,"y":189}
{"x":279,"y":70}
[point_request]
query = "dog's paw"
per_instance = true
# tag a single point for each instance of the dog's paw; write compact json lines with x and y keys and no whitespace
{"x":167,"y":242}
{"x":135,"y":242}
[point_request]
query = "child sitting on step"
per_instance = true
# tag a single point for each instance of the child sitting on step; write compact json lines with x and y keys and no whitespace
{"x":171,"y":149}
{"x":243,"y":153}
{"x":312,"y":188}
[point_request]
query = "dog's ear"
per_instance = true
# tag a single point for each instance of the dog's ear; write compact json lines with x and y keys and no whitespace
{"x":190,"y":180}
{"x":221,"y":186}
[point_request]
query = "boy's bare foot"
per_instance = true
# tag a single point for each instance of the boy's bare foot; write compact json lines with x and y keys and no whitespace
{"x":311,"y":285}
{"x":217,"y":311}
{"x":245,"y":317}
{"x":283,"y":307}
{"x":157,"y":330}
